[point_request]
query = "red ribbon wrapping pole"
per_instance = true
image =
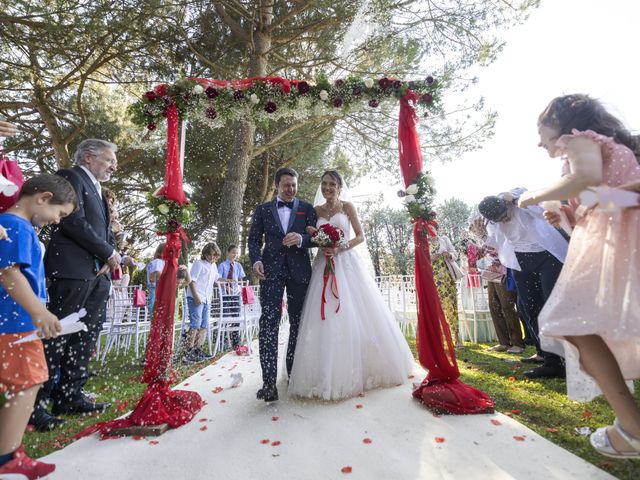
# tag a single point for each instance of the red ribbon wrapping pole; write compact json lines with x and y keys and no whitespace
{"x":441,"y":389}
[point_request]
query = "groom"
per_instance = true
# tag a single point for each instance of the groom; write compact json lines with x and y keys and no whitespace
{"x":279,"y":226}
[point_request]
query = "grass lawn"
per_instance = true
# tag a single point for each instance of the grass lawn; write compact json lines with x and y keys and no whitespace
{"x":540,"y":405}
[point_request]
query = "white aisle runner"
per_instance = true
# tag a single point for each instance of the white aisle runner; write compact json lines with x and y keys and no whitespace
{"x":385,"y":434}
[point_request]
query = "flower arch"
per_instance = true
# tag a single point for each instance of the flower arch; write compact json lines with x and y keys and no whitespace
{"x":261,"y":99}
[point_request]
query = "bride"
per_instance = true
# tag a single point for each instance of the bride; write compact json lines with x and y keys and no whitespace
{"x":358,"y":346}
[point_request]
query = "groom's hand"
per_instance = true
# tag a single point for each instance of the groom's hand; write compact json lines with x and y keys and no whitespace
{"x":258,"y":270}
{"x":292,"y":239}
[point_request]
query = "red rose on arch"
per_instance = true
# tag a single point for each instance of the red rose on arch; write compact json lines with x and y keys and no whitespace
{"x":160,"y":90}
{"x":303,"y":87}
{"x":150,"y":96}
{"x":384,"y":83}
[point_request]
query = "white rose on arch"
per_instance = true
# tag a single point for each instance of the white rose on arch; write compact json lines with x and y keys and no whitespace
{"x":198,"y":89}
{"x":412,"y":189}
{"x":368,"y":83}
{"x":324,"y":95}
{"x":163,"y":209}
{"x":409,"y":199}
{"x":254,"y":98}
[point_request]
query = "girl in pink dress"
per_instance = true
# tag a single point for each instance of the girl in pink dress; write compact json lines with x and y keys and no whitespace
{"x":593,"y":313}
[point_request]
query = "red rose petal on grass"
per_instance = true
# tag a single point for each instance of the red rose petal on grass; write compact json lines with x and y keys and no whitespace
{"x":274,"y":419}
{"x":275,"y":443}
{"x":203,"y":428}
{"x":264,"y":441}
{"x":551,"y":430}
{"x":137,"y":437}
{"x":153,"y":442}
{"x":223,"y":401}
{"x":359,"y":405}
{"x":367,"y":441}
{"x":29,"y":428}
{"x":59,"y":445}
{"x":512,"y":379}
{"x":346,"y":470}
{"x":122,"y":405}
{"x":516,"y":411}
{"x":518,"y":438}
{"x":606,"y":465}
{"x":587,"y":414}
{"x":496,"y":422}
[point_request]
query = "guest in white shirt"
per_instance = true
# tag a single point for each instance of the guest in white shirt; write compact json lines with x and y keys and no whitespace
{"x":204,"y":274}
{"x":535,"y":251}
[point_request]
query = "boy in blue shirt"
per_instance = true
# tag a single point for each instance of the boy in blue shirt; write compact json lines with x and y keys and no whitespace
{"x":43,"y":200}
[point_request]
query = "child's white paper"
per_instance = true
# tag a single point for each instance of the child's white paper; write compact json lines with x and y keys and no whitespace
{"x":70,"y":324}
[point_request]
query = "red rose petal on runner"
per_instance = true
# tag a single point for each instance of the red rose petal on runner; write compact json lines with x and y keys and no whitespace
{"x":264,"y":441}
{"x":203,"y":428}
{"x":496,"y":422}
{"x":518,"y":438}
{"x":440,"y":439}
{"x":186,"y":384}
{"x":203,"y":419}
{"x":361,"y":395}
{"x":346,"y":470}
{"x":223,"y":401}
{"x":275,"y":443}
{"x":137,"y":437}
{"x":153,"y":442}
{"x":274,"y":419}
{"x":359,"y":405}
{"x":367,"y":441}
{"x":217,"y":390}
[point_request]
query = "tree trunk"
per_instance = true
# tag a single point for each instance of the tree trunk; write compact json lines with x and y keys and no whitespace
{"x":235,"y":183}
{"x":55,"y":133}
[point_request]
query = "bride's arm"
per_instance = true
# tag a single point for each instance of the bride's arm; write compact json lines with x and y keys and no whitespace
{"x":351,"y":212}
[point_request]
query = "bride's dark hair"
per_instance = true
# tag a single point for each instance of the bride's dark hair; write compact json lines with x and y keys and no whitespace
{"x":335,"y":175}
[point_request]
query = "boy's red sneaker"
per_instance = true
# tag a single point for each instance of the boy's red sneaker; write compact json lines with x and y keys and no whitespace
{"x":23,"y":465}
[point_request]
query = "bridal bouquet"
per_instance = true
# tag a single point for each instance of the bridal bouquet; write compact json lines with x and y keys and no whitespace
{"x":328,"y":236}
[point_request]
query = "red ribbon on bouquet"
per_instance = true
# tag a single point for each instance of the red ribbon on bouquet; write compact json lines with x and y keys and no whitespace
{"x":329,"y":279}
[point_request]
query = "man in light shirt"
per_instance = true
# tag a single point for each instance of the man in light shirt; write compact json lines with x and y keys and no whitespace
{"x":535,"y":251}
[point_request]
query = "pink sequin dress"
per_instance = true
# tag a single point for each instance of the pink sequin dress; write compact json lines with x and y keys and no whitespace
{"x":598,"y":291}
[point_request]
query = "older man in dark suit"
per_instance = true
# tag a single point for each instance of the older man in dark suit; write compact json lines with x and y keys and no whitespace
{"x":79,"y":256}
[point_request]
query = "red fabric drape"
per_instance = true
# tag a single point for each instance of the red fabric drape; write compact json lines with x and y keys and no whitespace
{"x":441,"y":389}
{"x":159,"y":404}
{"x":172,"y":187}
{"x":11,"y":171}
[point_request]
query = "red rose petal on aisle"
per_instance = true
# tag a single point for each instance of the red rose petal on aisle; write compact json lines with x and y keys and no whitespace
{"x":435,"y":415}
{"x":274,"y":419}
{"x":587,"y":414}
{"x":367,"y":441}
{"x":137,"y":437}
{"x":361,"y":395}
{"x":411,"y":376}
{"x":439,"y":439}
{"x":518,"y":438}
{"x":496,"y":422}
{"x":153,"y":442}
{"x":359,"y":405}
{"x":217,"y":390}
{"x":552,"y":430}
{"x":346,"y":470}
{"x":203,"y":428}
{"x":516,"y":411}
{"x":275,"y":443}
{"x":185,"y":384}
{"x":264,"y":441}
{"x":223,"y":401}
{"x":203,"y":419}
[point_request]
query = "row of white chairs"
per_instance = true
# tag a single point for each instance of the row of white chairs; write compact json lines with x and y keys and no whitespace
{"x":127,"y":325}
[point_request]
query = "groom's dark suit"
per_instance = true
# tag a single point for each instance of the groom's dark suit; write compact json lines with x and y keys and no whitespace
{"x":288,"y":267}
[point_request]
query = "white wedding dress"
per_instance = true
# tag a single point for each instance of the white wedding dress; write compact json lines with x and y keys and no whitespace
{"x":357,"y":348}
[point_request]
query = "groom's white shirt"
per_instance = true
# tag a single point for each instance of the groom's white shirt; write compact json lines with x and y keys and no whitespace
{"x":284,"y":213}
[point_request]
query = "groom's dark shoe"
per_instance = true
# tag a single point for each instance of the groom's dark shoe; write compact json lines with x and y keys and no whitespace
{"x":268,"y":393}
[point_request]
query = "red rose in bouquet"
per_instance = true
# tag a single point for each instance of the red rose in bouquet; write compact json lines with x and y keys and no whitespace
{"x":328,"y":236}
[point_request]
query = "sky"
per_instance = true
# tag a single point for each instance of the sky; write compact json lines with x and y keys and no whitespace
{"x":566,"y":46}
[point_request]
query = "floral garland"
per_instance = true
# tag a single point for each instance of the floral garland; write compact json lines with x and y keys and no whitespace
{"x":418,"y":197}
{"x":169,"y":216}
{"x":267,"y":99}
